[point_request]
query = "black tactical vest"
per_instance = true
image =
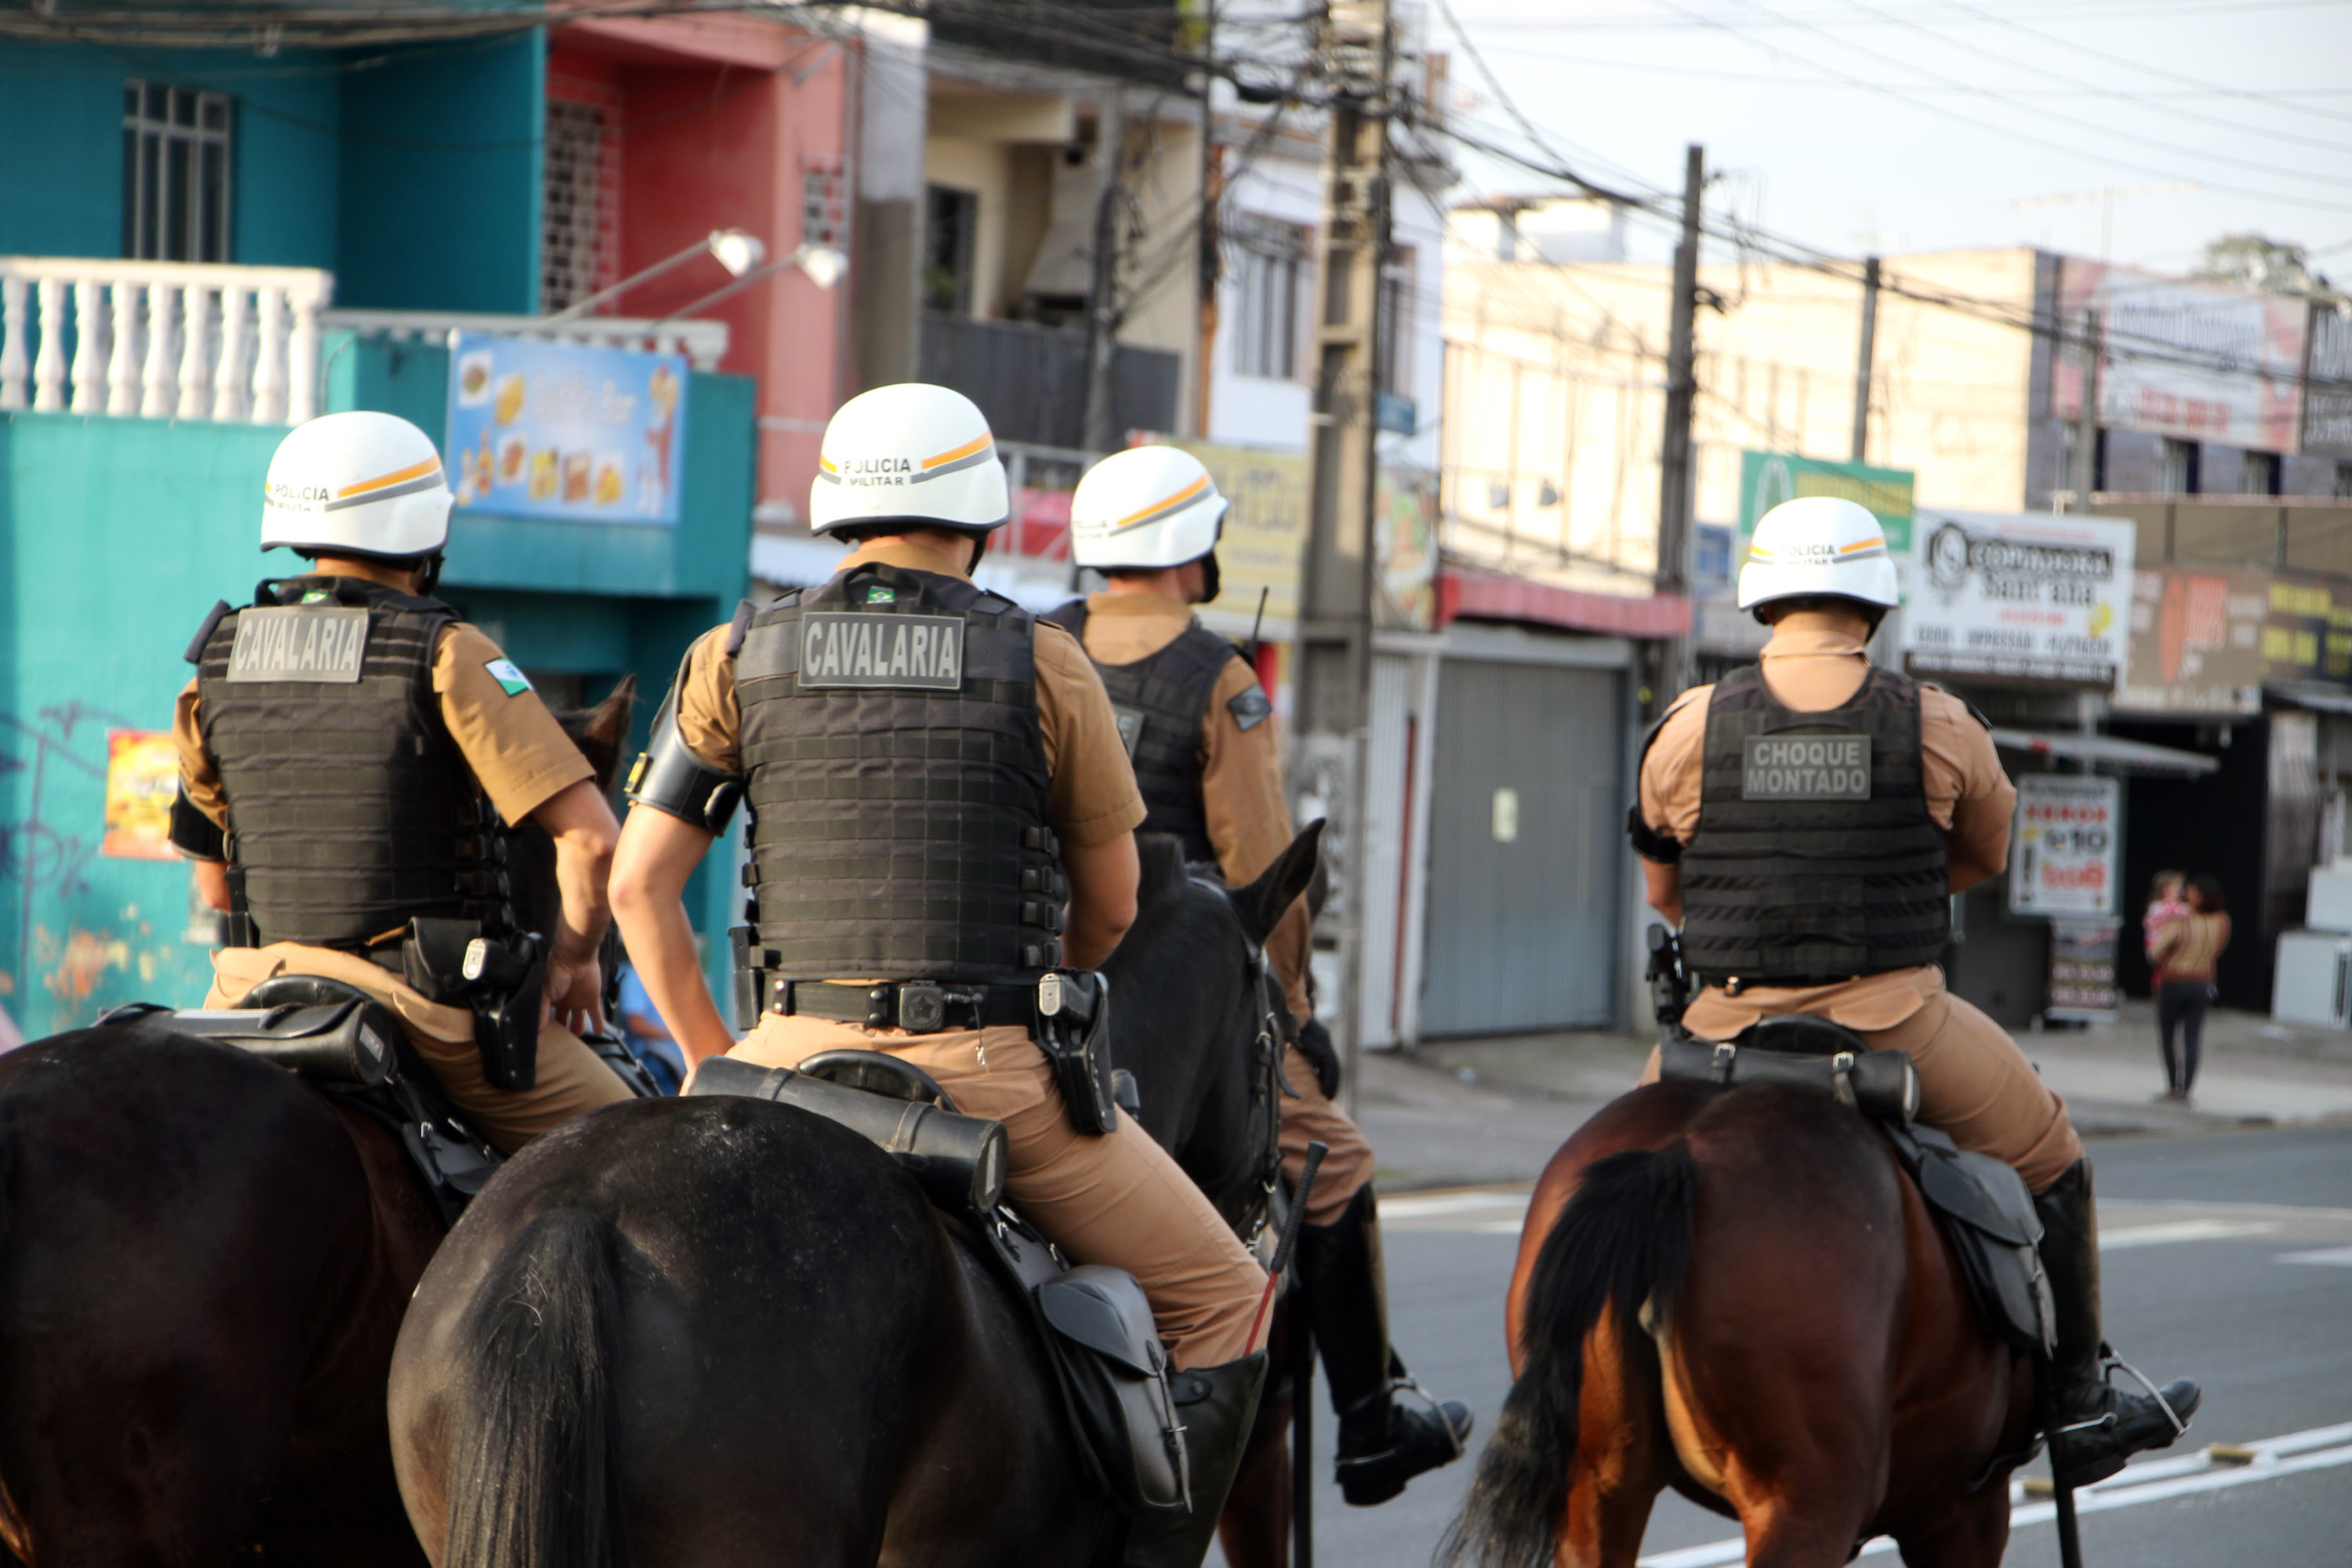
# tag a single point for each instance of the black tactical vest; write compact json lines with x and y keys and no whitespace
{"x":1815,"y":858}
{"x":1160,"y":701}
{"x":351,"y":809}
{"x":896,"y":778}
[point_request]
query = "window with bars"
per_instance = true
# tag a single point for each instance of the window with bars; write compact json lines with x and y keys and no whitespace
{"x":579,"y":242}
{"x":822,"y":219}
{"x":177,"y":167}
{"x":1270,"y":260}
{"x":2258,"y":474}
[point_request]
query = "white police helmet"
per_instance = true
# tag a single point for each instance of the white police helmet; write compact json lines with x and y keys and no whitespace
{"x":913,"y":453}
{"x":1819,"y":546}
{"x":361,"y":483}
{"x":1145,"y":508}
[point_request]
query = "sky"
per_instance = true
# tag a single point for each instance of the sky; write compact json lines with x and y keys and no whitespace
{"x":1856,"y":126}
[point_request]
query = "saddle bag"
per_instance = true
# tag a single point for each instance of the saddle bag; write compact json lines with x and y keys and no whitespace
{"x":959,"y":1161}
{"x":1882,"y":1085}
{"x":1990,"y":1220}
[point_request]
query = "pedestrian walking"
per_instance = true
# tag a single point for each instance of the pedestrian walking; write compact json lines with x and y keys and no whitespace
{"x":2165,"y":905}
{"x":2185,"y":955}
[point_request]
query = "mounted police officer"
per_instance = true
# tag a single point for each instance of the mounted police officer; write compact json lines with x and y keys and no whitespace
{"x":1208,"y":760}
{"x":931,"y":772}
{"x":351,"y":752}
{"x":1823,"y":893}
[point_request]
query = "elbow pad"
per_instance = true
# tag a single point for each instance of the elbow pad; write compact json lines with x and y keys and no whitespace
{"x":193,"y":834}
{"x":670,"y":778}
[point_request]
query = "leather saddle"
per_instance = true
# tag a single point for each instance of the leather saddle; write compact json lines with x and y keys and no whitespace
{"x":1122,"y":1396}
{"x":1980,"y":1202}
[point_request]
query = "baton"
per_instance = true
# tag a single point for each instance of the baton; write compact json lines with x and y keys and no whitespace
{"x":1282,"y":1250}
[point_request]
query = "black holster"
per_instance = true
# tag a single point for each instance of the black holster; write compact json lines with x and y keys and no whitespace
{"x":1074,"y":1031}
{"x":500,"y":980}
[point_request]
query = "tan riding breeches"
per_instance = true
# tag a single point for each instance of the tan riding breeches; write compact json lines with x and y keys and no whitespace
{"x":572,"y":1079}
{"x":1119,"y":1200}
{"x":1977,"y":1088}
{"x":1312,"y":1117}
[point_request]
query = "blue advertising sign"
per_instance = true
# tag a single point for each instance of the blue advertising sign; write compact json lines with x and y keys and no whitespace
{"x":539,"y":428}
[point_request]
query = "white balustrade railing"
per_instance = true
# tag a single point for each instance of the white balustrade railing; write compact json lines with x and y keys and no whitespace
{"x":703,"y":342}
{"x":161,"y":340}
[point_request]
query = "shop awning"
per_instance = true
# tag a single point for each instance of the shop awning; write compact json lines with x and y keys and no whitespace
{"x":2109,"y":753}
{"x":2318,"y":698}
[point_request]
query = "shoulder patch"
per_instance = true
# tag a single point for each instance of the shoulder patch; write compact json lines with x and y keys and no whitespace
{"x":510,"y":680}
{"x":1249,"y":708}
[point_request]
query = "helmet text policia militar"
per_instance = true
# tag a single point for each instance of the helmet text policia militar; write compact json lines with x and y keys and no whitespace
{"x":1819,"y":547}
{"x":913,"y":453}
{"x":1143,"y":509}
{"x":361,"y":483}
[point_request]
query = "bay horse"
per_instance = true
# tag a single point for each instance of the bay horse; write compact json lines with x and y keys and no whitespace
{"x":203,"y":1262}
{"x":1739,"y":1294}
{"x":725,"y":1332}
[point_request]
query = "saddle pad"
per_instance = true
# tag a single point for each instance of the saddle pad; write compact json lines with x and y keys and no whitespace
{"x":1989,"y":1216}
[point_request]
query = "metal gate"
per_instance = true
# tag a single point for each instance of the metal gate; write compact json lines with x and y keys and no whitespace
{"x":1526,"y":864}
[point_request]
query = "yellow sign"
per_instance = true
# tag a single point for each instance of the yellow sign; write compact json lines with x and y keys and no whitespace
{"x":1265,"y":527}
{"x":142,"y":775}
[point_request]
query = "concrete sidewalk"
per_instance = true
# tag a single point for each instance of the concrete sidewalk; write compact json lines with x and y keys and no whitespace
{"x":1464,"y":1113}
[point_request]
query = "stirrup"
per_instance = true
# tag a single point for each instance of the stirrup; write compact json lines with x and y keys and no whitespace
{"x":2109,"y":1361}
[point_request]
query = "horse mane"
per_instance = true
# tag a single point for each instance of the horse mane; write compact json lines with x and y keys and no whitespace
{"x":1164,"y":871}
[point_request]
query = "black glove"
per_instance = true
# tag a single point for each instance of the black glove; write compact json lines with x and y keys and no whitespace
{"x":1313,"y":1043}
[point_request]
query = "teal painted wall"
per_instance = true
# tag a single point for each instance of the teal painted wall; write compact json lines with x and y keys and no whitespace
{"x":67,"y":101}
{"x":116,"y":536}
{"x":440,"y":180}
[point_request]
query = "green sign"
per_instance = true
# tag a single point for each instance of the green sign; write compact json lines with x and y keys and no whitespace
{"x":1768,"y":478}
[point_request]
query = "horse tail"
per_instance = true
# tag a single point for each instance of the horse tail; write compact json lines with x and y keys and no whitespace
{"x":1624,"y":1240}
{"x":532,"y":1481}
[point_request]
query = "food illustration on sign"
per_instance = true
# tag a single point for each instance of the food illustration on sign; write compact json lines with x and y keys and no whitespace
{"x":566,"y":430}
{"x":575,"y":476}
{"x":542,"y":474}
{"x":512,"y":450}
{"x":510,"y":392}
{"x":474,"y":378}
{"x":608,"y":480}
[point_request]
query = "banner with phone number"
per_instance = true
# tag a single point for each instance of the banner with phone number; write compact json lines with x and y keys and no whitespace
{"x":2065,"y":847}
{"x":539,"y":428}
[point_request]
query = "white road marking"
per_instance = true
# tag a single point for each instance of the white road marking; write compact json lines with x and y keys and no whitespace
{"x":2156,"y":1480}
{"x":2341,"y":1257}
{"x":2122,"y":1239}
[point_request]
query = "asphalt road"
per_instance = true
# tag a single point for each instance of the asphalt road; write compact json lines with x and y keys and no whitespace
{"x":2201,"y":1243}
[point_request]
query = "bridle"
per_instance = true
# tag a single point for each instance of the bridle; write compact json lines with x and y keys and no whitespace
{"x":1267,"y":1087}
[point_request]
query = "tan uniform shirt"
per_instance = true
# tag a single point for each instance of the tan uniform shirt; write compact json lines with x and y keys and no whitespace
{"x":519,"y":753}
{"x":1241,"y":770}
{"x":1968,"y":797}
{"x":1094,"y":798}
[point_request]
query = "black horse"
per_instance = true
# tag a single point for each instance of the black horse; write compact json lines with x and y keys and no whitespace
{"x":724,"y":1332}
{"x":203,"y":1262}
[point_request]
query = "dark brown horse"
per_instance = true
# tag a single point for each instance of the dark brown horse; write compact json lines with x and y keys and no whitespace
{"x":1739,"y":1294}
{"x":204,"y":1263}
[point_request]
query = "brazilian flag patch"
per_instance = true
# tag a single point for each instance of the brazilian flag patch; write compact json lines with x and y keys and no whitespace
{"x":878,"y":594}
{"x":510,"y":680}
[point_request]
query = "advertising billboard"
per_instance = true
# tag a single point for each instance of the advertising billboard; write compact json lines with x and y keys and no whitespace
{"x":2327,"y":381}
{"x":2065,"y":847}
{"x":2206,"y":640}
{"x":539,"y":428}
{"x":2201,"y":362}
{"x":2029,"y":598}
{"x":1768,"y":478}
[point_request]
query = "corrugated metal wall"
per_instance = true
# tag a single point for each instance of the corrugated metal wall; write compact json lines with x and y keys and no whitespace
{"x":1524,"y":854}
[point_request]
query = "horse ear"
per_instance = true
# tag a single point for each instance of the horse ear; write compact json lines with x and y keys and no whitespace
{"x":1265,"y":901}
{"x":608,"y":721}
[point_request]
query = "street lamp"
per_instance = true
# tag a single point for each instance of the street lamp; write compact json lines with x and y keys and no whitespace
{"x":735,"y":250}
{"x":821,"y":263}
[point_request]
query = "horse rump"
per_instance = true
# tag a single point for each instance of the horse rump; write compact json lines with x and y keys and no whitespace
{"x":1621,"y":1241}
{"x":531,"y":1477}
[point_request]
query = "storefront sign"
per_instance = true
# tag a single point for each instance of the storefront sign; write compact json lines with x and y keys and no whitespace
{"x":539,"y":428}
{"x":1768,"y":478}
{"x":2327,"y":381}
{"x":2066,"y":848}
{"x":1265,"y":540}
{"x":142,"y":776}
{"x":2028,"y":597}
{"x":2206,"y":641}
{"x":2203,"y":361}
{"x":2082,"y":971}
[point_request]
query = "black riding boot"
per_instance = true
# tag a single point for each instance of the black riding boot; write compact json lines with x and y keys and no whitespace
{"x":1382,"y":1444}
{"x":2094,"y":1426}
{"x":1217,"y":1406}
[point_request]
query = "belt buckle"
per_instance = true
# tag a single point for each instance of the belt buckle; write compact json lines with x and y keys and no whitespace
{"x":922,"y":1007}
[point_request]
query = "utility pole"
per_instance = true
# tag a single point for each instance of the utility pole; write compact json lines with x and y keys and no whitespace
{"x":1099,"y":432}
{"x":1212,"y":194}
{"x":2086,"y":428}
{"x":1863,"y":367}
{"x":1332,"y":694}
{"x":1673,"y":672}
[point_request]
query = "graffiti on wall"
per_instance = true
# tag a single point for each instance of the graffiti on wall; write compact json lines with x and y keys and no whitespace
{"x":66,"y":934}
